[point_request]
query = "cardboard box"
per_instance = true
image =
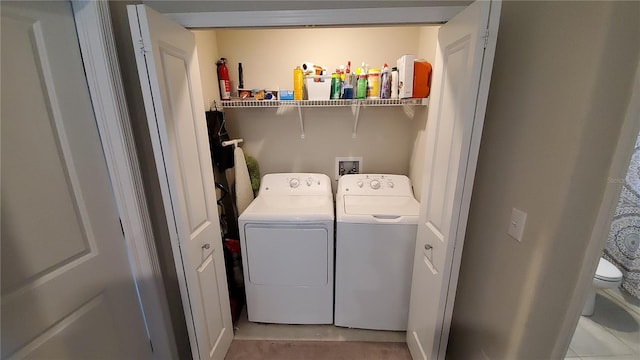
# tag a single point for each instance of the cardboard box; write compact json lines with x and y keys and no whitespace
{"x":405,"y":76}
{"x":285,"y":94}
{"x":421,"y":79}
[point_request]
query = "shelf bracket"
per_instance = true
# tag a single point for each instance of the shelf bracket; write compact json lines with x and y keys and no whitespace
{"x":301,"y":122}
{"x":355,"y":121}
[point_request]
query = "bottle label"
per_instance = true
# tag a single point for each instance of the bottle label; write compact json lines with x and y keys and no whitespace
{"x":225,"y":90}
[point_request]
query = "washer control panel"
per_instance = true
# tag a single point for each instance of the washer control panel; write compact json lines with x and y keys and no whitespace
{"x":295,"y":183}
{"x":375,"y":184}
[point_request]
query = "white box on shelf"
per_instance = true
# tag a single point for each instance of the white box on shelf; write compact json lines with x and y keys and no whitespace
{"x":318,"y":87}
{"x":405,"y":75}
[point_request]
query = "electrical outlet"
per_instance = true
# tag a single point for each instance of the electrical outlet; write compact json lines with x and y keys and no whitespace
{"x":348,"y":165}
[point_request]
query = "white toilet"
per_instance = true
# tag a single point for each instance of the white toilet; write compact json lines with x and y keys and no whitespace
{"x":607,"y":276}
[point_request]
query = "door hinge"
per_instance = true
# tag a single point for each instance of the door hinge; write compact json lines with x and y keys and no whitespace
{"x":143,"y":47}
{"x":486,"y":37}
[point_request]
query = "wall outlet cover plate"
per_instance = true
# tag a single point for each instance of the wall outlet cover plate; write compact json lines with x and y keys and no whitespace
{"x":516,"y":224}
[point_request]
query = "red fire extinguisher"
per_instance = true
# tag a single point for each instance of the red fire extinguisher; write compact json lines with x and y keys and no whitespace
{"x":223,"y":78}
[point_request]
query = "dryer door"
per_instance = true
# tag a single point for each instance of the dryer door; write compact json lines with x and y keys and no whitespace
{"x":287,"y":256}
{"x":289,"y":272}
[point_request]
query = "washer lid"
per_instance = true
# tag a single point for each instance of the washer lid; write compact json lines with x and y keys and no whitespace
{"x":607,"y":271}
{"x":290,"y":208}
{"x":382,"y":206}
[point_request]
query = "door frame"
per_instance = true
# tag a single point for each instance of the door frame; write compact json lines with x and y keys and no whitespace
{"x":599,"y":235}
{"x":107,"y":93}
{"x":94,"y":28}
{"x":102,"y":69}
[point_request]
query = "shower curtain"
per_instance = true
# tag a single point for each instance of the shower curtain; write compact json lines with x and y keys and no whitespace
{"x":623,"y":245}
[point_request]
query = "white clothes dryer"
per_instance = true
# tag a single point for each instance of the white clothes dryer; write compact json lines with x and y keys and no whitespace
{"x":287,"y":242}
{"x":376,"y":225}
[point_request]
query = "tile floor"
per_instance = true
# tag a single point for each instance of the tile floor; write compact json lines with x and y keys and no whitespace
{"x":245,"y":330}
{"x":612,"y":333}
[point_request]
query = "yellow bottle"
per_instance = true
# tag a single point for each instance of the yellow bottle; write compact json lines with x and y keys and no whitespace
{"x":297,"y":83}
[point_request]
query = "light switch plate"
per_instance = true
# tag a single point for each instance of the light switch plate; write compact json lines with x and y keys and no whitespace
{"x":516,"y":224}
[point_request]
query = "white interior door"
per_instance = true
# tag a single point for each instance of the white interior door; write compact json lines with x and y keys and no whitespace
{"x":170,"y":78}
{"x":67,"y":286}
{"x":459,"y":94}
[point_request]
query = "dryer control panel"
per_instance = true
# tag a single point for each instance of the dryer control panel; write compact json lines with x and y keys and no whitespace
{"x":375,"y":184}
{"x":296,"y":183}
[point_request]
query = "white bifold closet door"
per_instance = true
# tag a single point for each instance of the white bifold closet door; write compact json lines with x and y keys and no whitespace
{"x":170,"y":78}
{"x":460,"y":86}
{"x":67,"y":287}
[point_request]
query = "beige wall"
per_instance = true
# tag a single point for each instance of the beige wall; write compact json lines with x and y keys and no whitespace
{"x":426,"y":50}
{"x":386,"y":136}
{"x":269,"y":56}
{"x":207,"y":47}
{"x":560,"y":86}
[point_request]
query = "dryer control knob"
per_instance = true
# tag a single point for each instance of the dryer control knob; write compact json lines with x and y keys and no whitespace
{"x":294,"y":183}
{"x":375,"y":184}
{"x":390,"y":184}
{"x":359,"y":183}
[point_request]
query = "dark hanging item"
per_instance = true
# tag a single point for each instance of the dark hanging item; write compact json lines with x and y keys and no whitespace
{"x":222,"y":156}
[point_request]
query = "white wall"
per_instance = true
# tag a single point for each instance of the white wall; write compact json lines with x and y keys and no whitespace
{"x":559,"y":91}
{"x":386,"y":136}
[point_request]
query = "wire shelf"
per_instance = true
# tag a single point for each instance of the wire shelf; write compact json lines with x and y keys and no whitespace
{"x":355,"y":105}
{"x":230,"y":104}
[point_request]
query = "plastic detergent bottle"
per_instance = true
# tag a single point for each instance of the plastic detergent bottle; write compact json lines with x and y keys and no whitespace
{"x":361,"y":86}
{"x":297,"y":83}
{"x":373,"y":83}
{"x":335,"y":86}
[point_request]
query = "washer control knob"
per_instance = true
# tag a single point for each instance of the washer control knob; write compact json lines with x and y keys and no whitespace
{"x":309,"y":181}
{"x":390,"y":184}
{"x":294,"y":183}
{"x":360,"y":183}
{"x":375,"y":184}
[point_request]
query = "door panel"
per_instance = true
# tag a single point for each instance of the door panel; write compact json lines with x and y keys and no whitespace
{"x":169,"y":75}
{"x":181,"y":134}
{"x":67,"y":288}
{"x":453,"y":126}
{"x":213,"y":313}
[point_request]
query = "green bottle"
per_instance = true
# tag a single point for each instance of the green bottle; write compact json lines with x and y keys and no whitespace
{"x":361,"y":91}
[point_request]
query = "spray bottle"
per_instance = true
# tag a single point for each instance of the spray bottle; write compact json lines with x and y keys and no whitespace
{"x":347,"y":92}
{"x":361,"y":91}
{"x":394,"y":83}
{"x":385,"y":83}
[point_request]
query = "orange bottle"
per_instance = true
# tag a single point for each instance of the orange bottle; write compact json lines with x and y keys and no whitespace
{"x":421,"y":79}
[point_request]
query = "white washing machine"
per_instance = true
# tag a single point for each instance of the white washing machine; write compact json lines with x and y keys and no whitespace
{"x":287,"y":242}
{"x":376,"y":217}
